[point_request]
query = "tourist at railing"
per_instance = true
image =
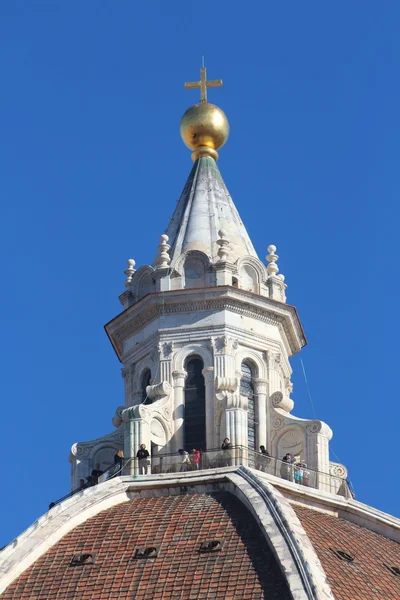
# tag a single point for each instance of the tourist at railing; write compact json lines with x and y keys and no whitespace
{"x":306,"y":475}
{"x":185,"y":460}
{"x":227,"y":455}
{"x":298,"y":473}
{"x":195,"y":458}
{"x":265,"y":460}
{"x":287,"y":467}
{"x":119,"y":458}
{"x":96,"y":473}
{"x":144,"y":460}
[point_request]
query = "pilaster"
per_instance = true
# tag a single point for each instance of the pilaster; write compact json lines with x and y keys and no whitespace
{"x":137,"y":432}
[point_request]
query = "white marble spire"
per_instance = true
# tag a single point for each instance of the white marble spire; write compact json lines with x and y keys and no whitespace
{"x":204,"y":208}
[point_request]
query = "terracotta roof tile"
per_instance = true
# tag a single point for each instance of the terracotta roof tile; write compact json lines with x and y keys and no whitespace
{"x":365,"y":578}
{"x":245,"y":568}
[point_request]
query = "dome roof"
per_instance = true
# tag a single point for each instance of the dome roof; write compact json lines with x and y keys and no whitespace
{"x":242,"y":567}
{"x":365,"y":577}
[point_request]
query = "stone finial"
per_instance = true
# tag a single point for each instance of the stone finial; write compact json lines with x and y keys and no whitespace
{"x":223,"y":243}
{"x":163,"y":258}
{"x":272,"y":258}
{"x":129,"y":272}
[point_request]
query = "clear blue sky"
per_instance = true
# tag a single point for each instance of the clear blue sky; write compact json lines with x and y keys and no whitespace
{"x":92,"y":165}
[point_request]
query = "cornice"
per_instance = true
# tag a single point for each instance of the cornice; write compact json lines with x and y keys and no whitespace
{"x":159,"y":304}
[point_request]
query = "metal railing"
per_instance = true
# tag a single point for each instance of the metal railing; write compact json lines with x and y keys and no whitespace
{"x":213,"y":459}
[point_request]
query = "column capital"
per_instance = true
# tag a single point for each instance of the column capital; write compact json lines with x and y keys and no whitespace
{"x":260,"y":385}
{"x":179,"y":378}
{"x":208,"y":374}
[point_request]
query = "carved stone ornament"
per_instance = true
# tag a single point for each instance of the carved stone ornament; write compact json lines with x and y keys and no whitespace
{"x":81,"y":450}
{"x":157,"y":429}
{"x":165,"y":349}
{"x":155,"y":392}
{"x":274,"y":360}
{"x":291,"y":440}
{"x":224,"y":344}
{"x":117,"y":418}
{"x":338,"y":470}
{"x":167,"y":412}
{"x":277,"y":423}
{"x":260,"y":385}
{"x":132,"y":412}
{"x":280,"y":401}
{"x":314,"y":427}
{"x":179,"y":378}
{"x":229,"y":384}
{"x":236,"y":401}
{"x":145,"y":413}
{"x":288,"y":386}
{"x":127,"y":372}
{"x":276,"y":398}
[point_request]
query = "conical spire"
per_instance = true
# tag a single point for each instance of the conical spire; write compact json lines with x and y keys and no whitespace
{"x":204,"y":208}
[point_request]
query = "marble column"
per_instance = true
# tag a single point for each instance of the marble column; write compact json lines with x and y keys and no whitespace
{"x":208,"y":373}
{"x":260,"y":388}
{"x":179,"y":408}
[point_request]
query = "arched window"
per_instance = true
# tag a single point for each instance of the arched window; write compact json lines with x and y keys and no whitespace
{"x":146,"y":380}
{"x":247,"y":389}
{"x":195,"y":405}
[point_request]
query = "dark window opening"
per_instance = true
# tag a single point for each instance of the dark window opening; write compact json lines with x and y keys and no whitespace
{"x":392,"y":569}
{"x":235,"y":282}
{"x":195,"y":406}
{"x":342,"y":555}
{"x":79,"y":560}
{"x":212,"y":546}
{"x":247,"y":389}
{"x":149,"y":552}
{"x":146,"y":381}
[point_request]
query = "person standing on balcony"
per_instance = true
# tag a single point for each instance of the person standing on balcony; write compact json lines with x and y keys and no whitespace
{"x":287,"y":467}
{"x":298,"y":473}
{"x":143,"y":456}
{"x":265,"y":460}
{"x":118,"y":461}
{"x":195,"y":456}
{"x":96,"y":473}
{"x":306,"y":475}
{"x":185,"y":460}
{"x":226,"y":447}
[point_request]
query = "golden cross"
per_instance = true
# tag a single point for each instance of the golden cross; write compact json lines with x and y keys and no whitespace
{"x":203,"y":84}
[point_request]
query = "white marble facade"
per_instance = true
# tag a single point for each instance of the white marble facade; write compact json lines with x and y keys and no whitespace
{"x":225,"y":307}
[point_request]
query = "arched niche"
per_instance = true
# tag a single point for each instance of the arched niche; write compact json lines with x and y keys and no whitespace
{"x":195,"y":276}
{"x":195,"y":404}
{"x":195,"y":268}
{"x":143,"y":283}
{"x":252,"y":274}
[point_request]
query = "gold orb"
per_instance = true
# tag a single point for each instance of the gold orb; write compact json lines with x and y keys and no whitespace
{"x":204,"y":127}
